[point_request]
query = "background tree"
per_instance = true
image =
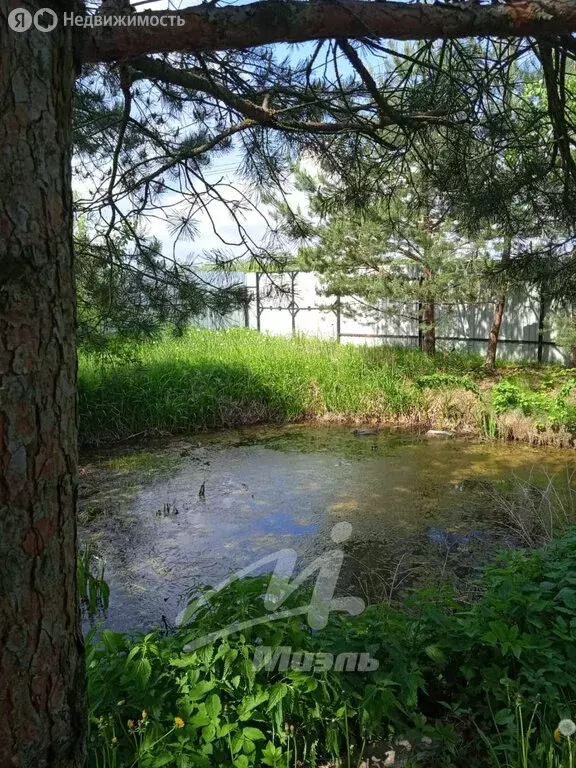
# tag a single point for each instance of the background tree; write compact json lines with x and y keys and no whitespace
{"x":400,"y":245}
{"x":547,"y":265}
{"x":503,"y":185}
{"x":483,"y":167}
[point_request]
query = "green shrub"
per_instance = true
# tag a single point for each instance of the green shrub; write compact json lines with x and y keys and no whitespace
{"x":232,"y":714}
{"x":448,"y":673}
{"x":555,"y":408}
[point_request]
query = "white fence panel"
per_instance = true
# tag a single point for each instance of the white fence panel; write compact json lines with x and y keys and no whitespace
{"x":287,"y":303}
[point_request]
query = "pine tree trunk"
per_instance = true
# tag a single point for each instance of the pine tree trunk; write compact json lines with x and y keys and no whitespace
{"x":428,"y":318}
{"x":495,"y":330}
{"x":429,"y":335}
{"x":42,"y":688}
{"x":498,"y":311}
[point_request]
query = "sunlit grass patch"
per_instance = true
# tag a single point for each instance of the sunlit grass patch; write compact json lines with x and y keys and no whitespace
{"x":213,"y":379}
{"x":224,"y":379}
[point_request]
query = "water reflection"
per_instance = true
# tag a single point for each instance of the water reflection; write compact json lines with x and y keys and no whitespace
{"x":419,"y":509}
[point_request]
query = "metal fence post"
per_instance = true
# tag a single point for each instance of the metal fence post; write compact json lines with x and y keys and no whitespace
{"x":541,"y":319}
{"x":258,"y":310}
{"x":293,"y":308}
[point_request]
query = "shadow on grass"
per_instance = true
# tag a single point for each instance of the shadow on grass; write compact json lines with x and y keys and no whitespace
{"x":174,"y":397}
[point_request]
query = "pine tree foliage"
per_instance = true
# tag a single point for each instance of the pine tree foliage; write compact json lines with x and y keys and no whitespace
{"x":486,"y":122}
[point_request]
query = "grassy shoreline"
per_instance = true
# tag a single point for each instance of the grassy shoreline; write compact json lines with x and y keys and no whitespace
{"x":209,"y":380}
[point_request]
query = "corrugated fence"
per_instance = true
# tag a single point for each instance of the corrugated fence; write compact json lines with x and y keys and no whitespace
{"x":292,"y":302}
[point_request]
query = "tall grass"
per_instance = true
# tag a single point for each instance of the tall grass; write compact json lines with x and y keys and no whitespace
{"x":529,"y":742}
{"x":536,"y":512}
{"x":212,"y":379}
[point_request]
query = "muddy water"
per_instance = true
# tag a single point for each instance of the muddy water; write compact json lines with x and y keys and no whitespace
{"x":167,"y":517}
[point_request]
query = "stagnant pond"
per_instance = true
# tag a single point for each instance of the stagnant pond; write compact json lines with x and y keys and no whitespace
{"x":166,"y":517}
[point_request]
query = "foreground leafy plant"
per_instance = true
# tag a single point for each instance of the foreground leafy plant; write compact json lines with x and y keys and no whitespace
{"x":445,"y":673}
{"x":556,"y":408}
{"x":93,"y":590}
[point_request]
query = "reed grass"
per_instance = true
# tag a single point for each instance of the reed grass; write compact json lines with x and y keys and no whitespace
{"x":224,"y":379}
{"x":214,"y":379}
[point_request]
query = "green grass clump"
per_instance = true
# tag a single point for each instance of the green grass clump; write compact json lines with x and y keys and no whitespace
{"x":221,"y":379}
{"x":212,"y":379}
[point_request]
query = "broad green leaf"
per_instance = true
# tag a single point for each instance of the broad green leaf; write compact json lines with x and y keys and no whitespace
{"x":253,"y":733}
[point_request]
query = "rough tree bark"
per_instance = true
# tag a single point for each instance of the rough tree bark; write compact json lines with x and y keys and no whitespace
{"x":290,"y":21}
{"x":42,"y":698}
{"x":428,"y":319}
{"x":495,"y":330}
{"x":429,"y":335}
{"x":573,"y":347}
{"x":498,"y":311}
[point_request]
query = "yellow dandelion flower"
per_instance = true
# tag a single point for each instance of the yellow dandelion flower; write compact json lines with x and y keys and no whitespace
{"x":178,"y":722}
{"x":557,"y":736}
{"x":114,"y":739}
{"x":131,"y":724}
